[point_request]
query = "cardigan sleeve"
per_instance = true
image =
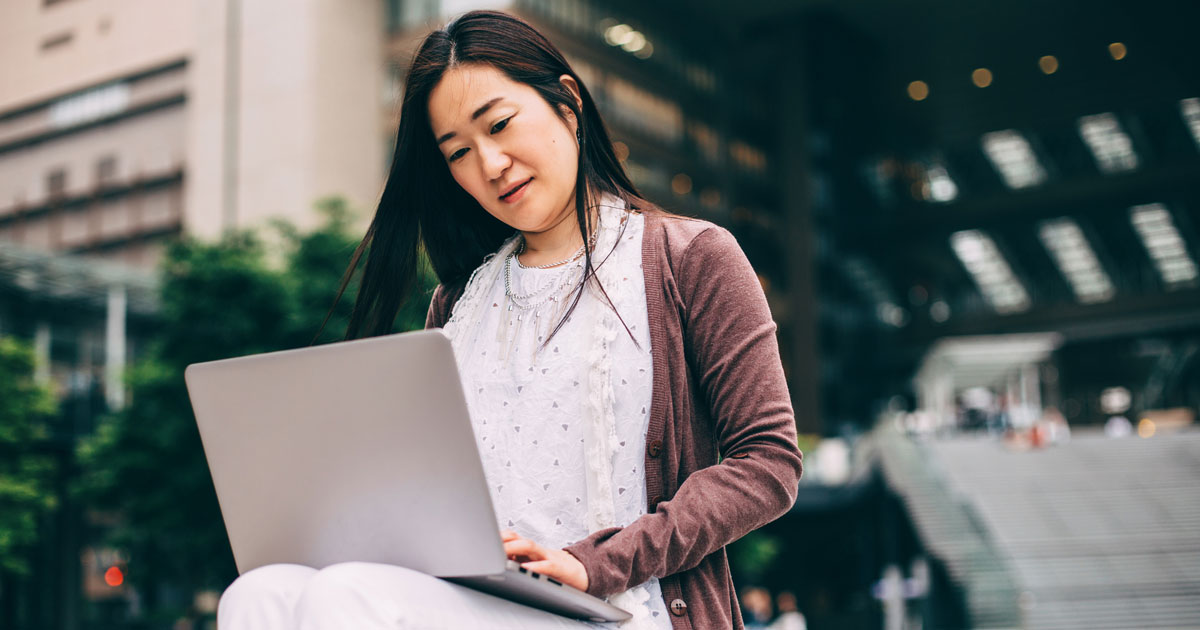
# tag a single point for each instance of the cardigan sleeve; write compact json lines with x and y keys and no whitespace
{"x":441,"y":304}
{"x":730,"y":338}
{"x":437,"y":314}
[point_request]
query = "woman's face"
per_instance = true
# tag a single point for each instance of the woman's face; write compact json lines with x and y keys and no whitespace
{"x":496,"y":134}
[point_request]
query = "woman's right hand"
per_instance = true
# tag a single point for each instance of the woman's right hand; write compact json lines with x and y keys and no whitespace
{"x":556,"y":563}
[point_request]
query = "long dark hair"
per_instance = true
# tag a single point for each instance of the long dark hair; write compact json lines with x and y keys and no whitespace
{"x":422,"y":205}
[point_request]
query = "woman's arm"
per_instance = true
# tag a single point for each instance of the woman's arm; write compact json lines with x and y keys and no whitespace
{"x":730,"y":337}
{"x":438,"y":311}
{"x":441,"y":305}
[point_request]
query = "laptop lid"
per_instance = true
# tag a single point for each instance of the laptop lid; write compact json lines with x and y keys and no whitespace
{"x":351,"y":451}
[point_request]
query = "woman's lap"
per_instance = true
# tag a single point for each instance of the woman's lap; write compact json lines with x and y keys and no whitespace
{"x":368,"y":595}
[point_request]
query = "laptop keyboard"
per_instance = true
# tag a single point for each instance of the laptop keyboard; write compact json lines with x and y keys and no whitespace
{"x":513,"y":565}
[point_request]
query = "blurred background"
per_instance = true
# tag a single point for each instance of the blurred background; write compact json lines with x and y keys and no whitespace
{"x":976,"y":224}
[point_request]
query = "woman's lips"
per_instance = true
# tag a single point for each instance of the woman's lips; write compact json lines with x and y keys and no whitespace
{"x":516,"y":195}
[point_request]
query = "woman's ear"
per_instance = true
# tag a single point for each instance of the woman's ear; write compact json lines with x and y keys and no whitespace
{"x":573,"y":87}
{"x":567,"y":113}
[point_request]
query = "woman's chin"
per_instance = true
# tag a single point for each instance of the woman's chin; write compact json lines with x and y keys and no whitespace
{"x":531,"y":215}
{"x":527,"y":219}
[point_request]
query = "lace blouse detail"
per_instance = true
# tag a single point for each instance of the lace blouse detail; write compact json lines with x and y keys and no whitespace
{"x":562,"y":429}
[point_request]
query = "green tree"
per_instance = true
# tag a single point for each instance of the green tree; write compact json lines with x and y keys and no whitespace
{"x":145,"y":462}
{"x":26,"y":472}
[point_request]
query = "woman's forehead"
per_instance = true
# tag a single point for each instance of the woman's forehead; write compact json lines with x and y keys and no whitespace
{"x":465,"y":89}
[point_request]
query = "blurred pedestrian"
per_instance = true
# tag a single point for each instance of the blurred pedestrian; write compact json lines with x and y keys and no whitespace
{"x":790,"y":617}
{"x":756,"y":606}
{"x":1118,"y":426}
{"x":1057,"y":429}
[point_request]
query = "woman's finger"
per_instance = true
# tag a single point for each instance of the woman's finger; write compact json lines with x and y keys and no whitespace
{"x":507,"y":535}
{"x":524,"y":547}
{"x":545,"y":567}
{"x":555,"y":567}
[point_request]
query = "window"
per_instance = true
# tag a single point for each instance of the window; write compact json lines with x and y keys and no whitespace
{"x":57,"y":40}
{"x":1065,"y":241}
{"x":91,"y":104}
{"x":1013,"y":156}
{"x":1109,"y":143}
{"x":1190,"y":109}
{"x":996,"y":280}
{"x":644,"y":110}
{"x":406,"y":14}
{"x":1165,"y":245}
{"x":706,"y":140}
{"x":56,"y":183}
{"x":748,"y":157}
{"x":106,"y":171}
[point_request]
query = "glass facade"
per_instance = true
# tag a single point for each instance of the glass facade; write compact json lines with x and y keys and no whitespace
{"x":405,"y":14}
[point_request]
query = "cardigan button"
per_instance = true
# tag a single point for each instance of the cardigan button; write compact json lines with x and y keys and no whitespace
{"x":678,"y":607}
{"x":655,"y":448}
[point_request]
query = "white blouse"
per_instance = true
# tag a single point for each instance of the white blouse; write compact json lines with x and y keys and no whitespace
{"x":528,"y":405}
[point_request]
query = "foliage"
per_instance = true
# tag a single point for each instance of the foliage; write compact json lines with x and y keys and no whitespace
{"x":807,"y":442}
{"x":752,"y":555}
{"x":26,"y":470}
{"x":219,"y":300}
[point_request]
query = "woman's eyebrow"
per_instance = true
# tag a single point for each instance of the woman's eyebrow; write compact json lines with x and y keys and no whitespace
{"x":475,"y":116}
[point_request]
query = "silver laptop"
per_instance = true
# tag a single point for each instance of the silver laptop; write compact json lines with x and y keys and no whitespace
{"x":361,"y":451}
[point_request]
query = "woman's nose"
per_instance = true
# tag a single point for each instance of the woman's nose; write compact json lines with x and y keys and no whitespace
{"x":495,"y":160}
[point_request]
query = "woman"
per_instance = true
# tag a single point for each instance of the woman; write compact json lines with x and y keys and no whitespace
{"x":619,"y":475}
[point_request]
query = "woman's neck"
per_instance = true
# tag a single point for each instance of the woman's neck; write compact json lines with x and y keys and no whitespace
{"x":559,"y":242}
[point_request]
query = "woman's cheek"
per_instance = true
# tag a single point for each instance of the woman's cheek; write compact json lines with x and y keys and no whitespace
{"x":463,"y":183}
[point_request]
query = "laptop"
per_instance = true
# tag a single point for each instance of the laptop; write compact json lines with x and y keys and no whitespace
{"x":361,"y":451}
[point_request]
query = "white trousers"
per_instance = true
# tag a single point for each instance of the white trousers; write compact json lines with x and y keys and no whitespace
{"x":366,"y":596}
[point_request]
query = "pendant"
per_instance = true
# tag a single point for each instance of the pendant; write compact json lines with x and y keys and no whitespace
{"x":513,"y":341}
{"x":537,"y":333}
{"x":502,"y":326}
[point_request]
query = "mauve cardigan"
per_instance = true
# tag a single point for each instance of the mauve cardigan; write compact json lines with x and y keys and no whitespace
{"x":718,"y":391}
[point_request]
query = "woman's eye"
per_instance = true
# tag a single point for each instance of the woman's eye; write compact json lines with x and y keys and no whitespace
{"x":496,"y":128}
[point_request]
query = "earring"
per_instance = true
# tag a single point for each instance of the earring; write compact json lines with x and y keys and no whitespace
{"x":578,"y":136}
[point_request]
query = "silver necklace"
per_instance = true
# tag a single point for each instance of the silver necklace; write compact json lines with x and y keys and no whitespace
{"x":516,"y":299}
{"x":549,"y":298}
{"x":523,"y":301}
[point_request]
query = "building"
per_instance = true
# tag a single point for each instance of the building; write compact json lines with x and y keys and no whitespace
{"x":123,"y":124}
{"x":126,"y":124}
